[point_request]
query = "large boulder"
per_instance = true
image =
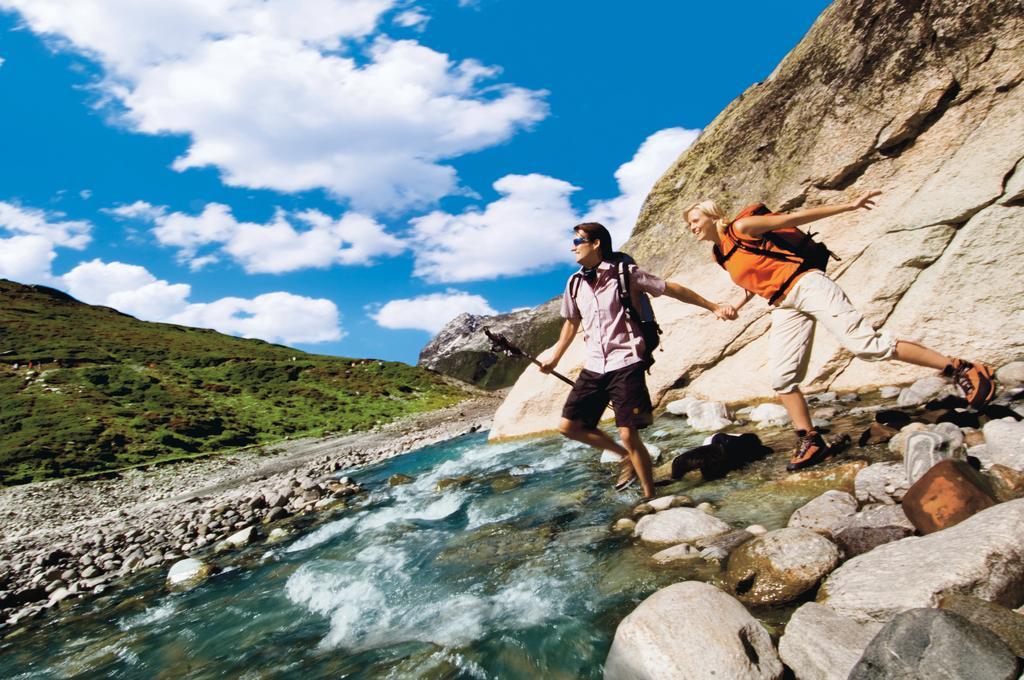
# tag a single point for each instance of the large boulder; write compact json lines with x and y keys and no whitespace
{"x":691,"y":631}
{"x":931,"y":643}
{"x":821,"y":645}
{"x":1004,"y":443}
{"x":779,"y":566}
{"x":919,"y":100}
{"x":678,"y":525}
{"x":1004,"y":622}
{"x":982,"y":556}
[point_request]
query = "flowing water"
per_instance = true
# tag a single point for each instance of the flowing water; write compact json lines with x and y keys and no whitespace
{"x":507,"y":569}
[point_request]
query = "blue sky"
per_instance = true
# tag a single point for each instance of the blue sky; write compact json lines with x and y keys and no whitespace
{"x":346,"y":175}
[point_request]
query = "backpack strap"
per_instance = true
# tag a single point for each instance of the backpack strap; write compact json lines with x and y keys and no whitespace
{"x":574,"y":285}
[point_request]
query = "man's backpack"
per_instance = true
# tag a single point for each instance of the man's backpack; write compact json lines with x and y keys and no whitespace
{"x":636,"y":303}
{"x":788,"y":244}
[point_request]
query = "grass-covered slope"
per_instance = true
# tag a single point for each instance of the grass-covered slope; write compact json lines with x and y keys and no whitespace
{"x":106,"y":390}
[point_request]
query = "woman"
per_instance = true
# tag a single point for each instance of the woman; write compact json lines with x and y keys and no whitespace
{"x":800,"y":298}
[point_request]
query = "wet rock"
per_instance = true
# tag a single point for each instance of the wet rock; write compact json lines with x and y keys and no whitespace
{"x":708,"y":416}
{"x":931,"y":643}
{"x":881,"y":483}
{"x":924,"y":390}
{"x":642,"y":510}
{"x":453,"y":482}
{"x":274,"y":514}
{"x":1011,"y":374}
{"x":666,"y":502}
{"x":877,"y":433}
{"x":623,"y":525}
{"x":946,"y":495}
{"x":1004,"y":443}
{"x":780,"y":566}
{"x":398,"y":479}
{"x":975,"y":557}
{"x":821,"y":645}
{"x":59,"y":595}
{"x":826,"y":514}
{"x":1007,"y":483}
{"x":278,"y":534}
{"x":757,"y":530}
{"x":683,"y":552}
{"x":716,"y":638}
{"x":678,"y":525}
{"x":1007,"y":624}
{"x":718,"y":548}
{"x":187,"y":573}
{"x":871,"y":528}
{"x":505,"y":483}
{"x":239,"y":539}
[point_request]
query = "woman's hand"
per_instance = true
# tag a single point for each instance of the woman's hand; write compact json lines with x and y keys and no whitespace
{"x":865,"y":201}
{"x":725,"y":312}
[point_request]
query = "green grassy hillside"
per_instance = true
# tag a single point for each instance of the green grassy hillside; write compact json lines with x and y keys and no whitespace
{"x":106,"y":390}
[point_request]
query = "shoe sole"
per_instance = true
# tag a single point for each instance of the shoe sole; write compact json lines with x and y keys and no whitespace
{"x":622,"y":486}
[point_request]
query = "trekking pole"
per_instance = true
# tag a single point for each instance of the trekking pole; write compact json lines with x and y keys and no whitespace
{"x":501,"y":344}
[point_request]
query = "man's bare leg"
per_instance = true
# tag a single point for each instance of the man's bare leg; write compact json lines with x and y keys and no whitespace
{"x":640,"y":458}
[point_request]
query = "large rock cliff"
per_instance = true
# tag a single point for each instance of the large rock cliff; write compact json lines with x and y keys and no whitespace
{"x":921,"y":100}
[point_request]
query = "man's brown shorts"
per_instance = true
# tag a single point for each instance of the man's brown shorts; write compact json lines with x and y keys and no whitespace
{"x":626,"y":388}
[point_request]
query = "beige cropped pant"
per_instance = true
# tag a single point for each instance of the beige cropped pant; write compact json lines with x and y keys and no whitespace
{"x":817,"y":298}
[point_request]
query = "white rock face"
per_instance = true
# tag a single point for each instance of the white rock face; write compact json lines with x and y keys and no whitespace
{"x":717,"y":638}
{"x":678,"y":525}
{"x":826,"y":514}
{"x":708,"y":416}
{"x":881,"y":483}
{"x":982,"y":556}
{"x":821,"y":645}
{"x":1004,"y":442}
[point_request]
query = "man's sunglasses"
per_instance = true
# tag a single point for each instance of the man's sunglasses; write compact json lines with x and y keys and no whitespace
{"x":579,"y":240}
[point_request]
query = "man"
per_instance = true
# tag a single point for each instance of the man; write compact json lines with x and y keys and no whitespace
{"x":614,"y":368}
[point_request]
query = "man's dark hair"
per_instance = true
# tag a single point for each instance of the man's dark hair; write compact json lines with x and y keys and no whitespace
{"x":595,"y":230}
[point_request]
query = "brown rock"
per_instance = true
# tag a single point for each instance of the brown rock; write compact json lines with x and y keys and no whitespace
{"x":950,"y":492}
{"x":877,"y":433}
{"x":1007,"y":483}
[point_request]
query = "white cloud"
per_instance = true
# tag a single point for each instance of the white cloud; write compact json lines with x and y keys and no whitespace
{"x":31,"y":221}
{"x":288,"y":242}
{"x":27,"y":259}
{"x":274,"y":317}
{"x":412,"y":18}
{"x":270,"y":93}
{"x":636,"y":178}
{"x":85,"y":194}
{"x":430,"y":312}
{"x":525,"y":230}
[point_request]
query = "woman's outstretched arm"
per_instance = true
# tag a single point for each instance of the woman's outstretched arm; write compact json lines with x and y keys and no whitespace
{"x":755,"y":225}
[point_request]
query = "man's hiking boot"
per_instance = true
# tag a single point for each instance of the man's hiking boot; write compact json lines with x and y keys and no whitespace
{"x":975,"y":380}
{"x":627,"y":475}
{"x":810,"y":450}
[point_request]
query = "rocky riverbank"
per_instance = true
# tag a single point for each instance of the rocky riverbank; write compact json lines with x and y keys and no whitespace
{"x":69,"y":538}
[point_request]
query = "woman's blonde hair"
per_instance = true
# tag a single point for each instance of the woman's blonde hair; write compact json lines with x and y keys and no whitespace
{"x":709,"y":208}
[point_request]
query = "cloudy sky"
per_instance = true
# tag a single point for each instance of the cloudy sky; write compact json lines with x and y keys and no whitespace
{"x":345,"y":176}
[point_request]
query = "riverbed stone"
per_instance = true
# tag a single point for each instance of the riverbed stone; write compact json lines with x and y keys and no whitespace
{"x":932,"y":643}
{"x":683,"y":552}
{"x":708,"y":416}
{"x":826,"y":514}
{"x":924,"y":390}
{"x":1007,"y":483}
{"x":1007,"y":624}
{"x":982,"y":556}
{"x":770,"y":415}
{"x":871,"y":527}
{"x":678,"y":525}
{"x":239,"y":539}
{"x":780,"y":566}
{"x":881,"y":483}
{"x":718,"y":548}
{"x":1004,"y":443}
{"x":821,"y":645}
{"x":716,"y":638}
{"x":624,"y":525}
{"x":187,"y":573}
{"x":1011,"y":374}
{"x":947,"y":494}
{"x":679,"y":407}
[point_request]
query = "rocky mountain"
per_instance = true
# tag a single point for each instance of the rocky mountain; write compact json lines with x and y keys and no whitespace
{"x":921,"y":100}
{"x":461,"y":349}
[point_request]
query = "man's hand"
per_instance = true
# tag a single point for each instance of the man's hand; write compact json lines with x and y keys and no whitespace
{"x":865,"y":200}
{"x":725,"y":312}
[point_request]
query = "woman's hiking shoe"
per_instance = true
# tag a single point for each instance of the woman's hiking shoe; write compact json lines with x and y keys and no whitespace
{"x":975,"y":380}
{"x":810,"y":450}
{"x":627,"y":475}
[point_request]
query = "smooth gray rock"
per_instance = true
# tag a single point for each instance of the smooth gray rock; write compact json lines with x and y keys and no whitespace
{"x":932,"y":643}
{"x":826,"y":514}
{"x":1011,"y":374}
{"x":924,"y":390}
{"x":678,"y":525}
{"x":881,"y":483}
{"x":691,"y":631}
{"x":821,"y":645}
{"x":982,"y":556}
{"x":1004,"y":442}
